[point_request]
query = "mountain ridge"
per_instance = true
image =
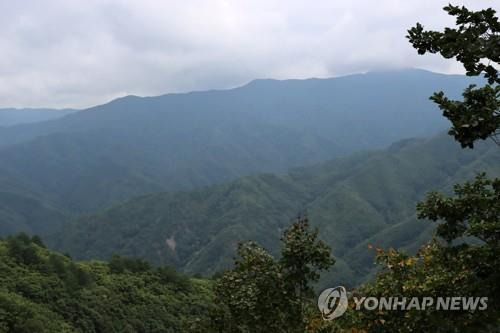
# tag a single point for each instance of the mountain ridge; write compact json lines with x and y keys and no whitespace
{"x":98,"y":157}
{"x":353,"y":200}
{"x":15,"y":116}
{"x":118,"y":102}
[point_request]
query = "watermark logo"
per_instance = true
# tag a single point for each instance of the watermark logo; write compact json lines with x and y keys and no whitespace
{"x":456,"y":303}
{"x":332,"y":302}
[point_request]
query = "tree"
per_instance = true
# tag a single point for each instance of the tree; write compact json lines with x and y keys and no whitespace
{"x":22,"y":248}
{"x":474,"y":213}
{"x":302,"y":258}
{"x":475,"y":42}
{"x":462,"y":261}
{"x":119,"y":265}
{"x":252,"y":292}
{"x":463,"y":258}
{"x":262,"y":294}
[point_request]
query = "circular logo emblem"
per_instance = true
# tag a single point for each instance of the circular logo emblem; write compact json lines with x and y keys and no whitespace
{"x":332,"y":302}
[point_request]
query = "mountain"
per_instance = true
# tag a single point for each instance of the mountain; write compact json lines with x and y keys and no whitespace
{"x":22,"y":208}
{"x":132,"y":146}
{"x":14,"y":116}
{"x":24,"y":213}
{"x":364,"y":198}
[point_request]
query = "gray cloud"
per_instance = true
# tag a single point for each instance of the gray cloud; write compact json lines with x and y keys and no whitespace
{"x":71,"y":53}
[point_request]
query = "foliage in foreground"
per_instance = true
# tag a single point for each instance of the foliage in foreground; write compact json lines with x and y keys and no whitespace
{"x":462,"y":262}
{"x":475,"y":42}
{"x":262,"y":294}
{"x":43,"y":291}
{"x":464,"y":257}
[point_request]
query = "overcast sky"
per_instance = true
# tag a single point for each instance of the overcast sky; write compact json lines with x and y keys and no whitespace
{"x":72,"y":53}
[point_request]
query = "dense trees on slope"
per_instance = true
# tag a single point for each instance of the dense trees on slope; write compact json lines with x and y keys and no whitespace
{"x":355,"y":200}
{"x":43,"y":291}
{"x":264,"y":294}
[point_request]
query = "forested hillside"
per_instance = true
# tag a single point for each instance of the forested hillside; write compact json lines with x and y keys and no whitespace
{"x":23,"y":208}
{"x":364,"y":198}
{"x":45,"y":291}
{"x":362,"y":203}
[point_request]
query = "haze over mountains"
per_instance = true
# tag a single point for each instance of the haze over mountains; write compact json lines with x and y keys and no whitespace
{"x":195,"y":147}
{"x":14,"y":116}
{"x":96,"y":158}
{"x":133,"y":146}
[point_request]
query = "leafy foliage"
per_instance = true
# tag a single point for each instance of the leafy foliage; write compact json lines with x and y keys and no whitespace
{"x":475,"y":43}
{"x":477,"y":117}
{"x":474,"y":212}
{"x":463,"y":259}
{"x":251,"y":294}
{"x":302,"y":258}
{"x":462,"y":269}
{"x":261,"y":294}
{"x":44,"y":291}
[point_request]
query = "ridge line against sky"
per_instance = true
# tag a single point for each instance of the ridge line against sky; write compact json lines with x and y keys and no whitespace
{"x":58,"y":53}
